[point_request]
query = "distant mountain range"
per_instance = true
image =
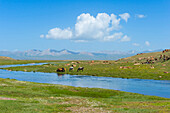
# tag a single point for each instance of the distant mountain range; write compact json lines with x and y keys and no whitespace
{"x":51,"y":54}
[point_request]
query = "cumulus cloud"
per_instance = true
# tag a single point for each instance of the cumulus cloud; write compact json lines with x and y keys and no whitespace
{"x":115,"y":22}
{"x":113,"y":37}
{"x":140,"y":16}
{"x":57,"y":33}
{"x":136,"y":44}
{"x":125,"y":16}
{"x":89,"y":27}
{"x":125,"y":39}
{"x":103,"y":27}
{"x":147,"y":43}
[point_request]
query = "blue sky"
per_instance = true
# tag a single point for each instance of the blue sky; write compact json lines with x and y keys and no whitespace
{"x":84,"y":25}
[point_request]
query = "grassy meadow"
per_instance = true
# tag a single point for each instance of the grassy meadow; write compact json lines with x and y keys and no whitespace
{"x":28,"y":97}
{"x":130,"y":67}
{"x":10,"y":61}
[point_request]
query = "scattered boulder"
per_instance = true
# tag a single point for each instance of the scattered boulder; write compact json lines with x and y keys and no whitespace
{"x":125,"y":67}
{"x":73,"y":65}
{"x":140,"y":54}
{"x":105,"y":61}
{"x":166,"y":72}
{"x":152,"y":67}
{"x":137,"y":64}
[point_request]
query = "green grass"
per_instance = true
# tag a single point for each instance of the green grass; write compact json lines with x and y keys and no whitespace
{"x":108,"y":70}
{"x":10,"y":61}
{"x":36,"y":97}
{"x":98,"y":68}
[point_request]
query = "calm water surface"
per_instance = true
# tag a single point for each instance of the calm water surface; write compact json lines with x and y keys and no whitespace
{"x":147,"y":87}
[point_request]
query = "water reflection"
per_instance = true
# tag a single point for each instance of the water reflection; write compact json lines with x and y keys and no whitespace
{"x":60,"y":74}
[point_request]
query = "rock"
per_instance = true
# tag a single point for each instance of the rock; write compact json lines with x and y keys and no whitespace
{"x":152,"y":67}
{"x":166,"y":72}
{"x":137,"y":64}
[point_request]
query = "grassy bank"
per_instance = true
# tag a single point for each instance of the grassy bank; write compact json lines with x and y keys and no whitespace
{"x":19,"y":96}
{"x":111,"y":69}
{"x":10,"y":61}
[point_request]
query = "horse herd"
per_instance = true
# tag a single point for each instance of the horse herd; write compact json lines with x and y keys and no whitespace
{"x":70,"y":69}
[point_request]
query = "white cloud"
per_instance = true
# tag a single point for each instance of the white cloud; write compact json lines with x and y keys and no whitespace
{"x":113,"y":37}
{"x":140,"y":16}
{"x":41,"y":36}
{"x":57,"y":33}
{"x":125,"y":39}
{"x":147,"y":43}
{"x":125,"y":16}
{"x":87,"y":27}
{"x":115,"y":22}
{"x":80,"y":41}
{"x":136,"y":44}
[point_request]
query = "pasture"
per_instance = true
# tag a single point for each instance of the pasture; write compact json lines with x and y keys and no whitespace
{"x":21,"y":96}
{"x":131,"y":67}
{"x":110,"y":69}
{"x":29,"y":97}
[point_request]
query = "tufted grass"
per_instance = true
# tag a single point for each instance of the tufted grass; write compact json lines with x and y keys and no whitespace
{"x":37,"y":97}
{"x":111,"y":69}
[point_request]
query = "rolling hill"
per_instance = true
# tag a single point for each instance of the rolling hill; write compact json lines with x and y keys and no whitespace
{"x":6,"y":58}
{"x":143,"y":57}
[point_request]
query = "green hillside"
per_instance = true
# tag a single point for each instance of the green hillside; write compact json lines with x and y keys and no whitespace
{"x":9,"y":61}
{"x":142,"y":57}
{"x":5,"y":58}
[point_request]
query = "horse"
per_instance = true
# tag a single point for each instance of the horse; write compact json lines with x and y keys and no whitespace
{"x":61,"y":70}
{"x":71,"y":68}
{"x":80,"y":68}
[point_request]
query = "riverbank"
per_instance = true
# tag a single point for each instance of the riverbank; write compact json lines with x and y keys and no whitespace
{"x":109,"y":69}
{"x":20,"y":96}
{"x":10,"y":61}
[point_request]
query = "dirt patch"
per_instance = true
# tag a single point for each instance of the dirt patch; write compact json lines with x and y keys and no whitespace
{"x":76,"y":109}
{"x":6,"y":58}
{"x":4,"y":98}
{"x":145,"y":105}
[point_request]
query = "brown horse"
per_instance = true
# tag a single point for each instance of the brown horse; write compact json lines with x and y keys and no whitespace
{"x":61,"y":70}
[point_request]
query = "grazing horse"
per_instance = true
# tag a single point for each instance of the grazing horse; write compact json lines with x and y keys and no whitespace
{"x":71,"y":68}
{"x":80,"y":68}
{"x":61,"y":70}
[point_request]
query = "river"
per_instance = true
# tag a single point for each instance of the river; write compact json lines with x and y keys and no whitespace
{"x":142,"y":86}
